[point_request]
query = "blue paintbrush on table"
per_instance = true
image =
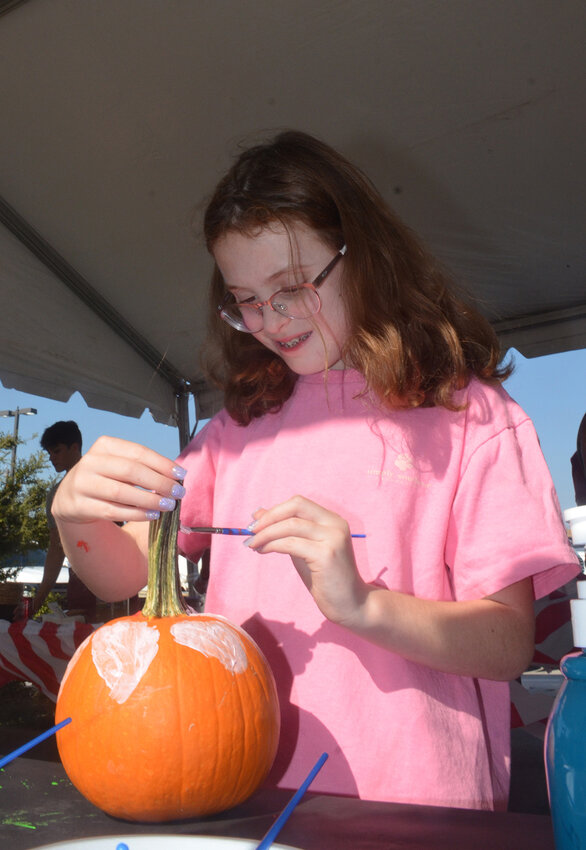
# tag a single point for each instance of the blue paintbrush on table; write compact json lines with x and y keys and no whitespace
{"x":30,"y":744}
{"x":269,"y":837}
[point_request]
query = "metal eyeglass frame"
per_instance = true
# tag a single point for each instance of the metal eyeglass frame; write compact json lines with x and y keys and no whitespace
{"x":315,"y":284}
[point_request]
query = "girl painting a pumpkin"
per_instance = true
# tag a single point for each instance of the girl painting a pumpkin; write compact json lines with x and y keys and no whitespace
{"x":362,"y":396}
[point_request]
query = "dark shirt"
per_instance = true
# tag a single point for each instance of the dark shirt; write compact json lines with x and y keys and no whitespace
{"x":579,"y":478}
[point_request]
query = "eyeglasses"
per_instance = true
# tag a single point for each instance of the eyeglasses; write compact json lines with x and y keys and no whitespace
{"x":293,"y":302}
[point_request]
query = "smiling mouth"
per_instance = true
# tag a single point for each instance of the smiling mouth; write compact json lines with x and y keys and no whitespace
{"x":293,"y":343}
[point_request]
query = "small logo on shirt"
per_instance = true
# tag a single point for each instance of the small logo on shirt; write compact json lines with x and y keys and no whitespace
{"x":404,"y":462}
{"x":405,"y":470}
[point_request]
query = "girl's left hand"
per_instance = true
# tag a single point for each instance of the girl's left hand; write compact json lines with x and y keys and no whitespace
{"x":320,"y":547}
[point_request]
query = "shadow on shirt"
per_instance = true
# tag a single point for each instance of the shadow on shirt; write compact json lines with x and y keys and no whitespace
{"x":458,"y":694}
{"x":292,"y":716}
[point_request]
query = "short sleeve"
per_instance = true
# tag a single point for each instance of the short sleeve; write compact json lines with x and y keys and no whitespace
{"x":506,"y":523}
{"x":51,"y":521}
{"x":199,"y":458}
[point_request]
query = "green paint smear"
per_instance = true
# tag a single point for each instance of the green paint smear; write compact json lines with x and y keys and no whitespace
{"x":13,"y":822}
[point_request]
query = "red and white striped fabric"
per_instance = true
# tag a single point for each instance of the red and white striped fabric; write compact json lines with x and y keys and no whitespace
{"x":36,"y":652}
{"x":553,"y":640}
{"x":39,"y":652}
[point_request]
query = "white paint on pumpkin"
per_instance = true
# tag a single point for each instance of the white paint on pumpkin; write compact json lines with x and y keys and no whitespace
{"x":213,"y":639}
{"x":122,"y":653}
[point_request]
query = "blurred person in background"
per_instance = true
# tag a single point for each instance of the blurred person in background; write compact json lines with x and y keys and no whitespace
{"x":578,"y":461}
{"x":62,"y":441}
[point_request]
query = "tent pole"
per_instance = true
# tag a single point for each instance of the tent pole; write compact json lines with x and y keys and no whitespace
{"x":182,"y":413}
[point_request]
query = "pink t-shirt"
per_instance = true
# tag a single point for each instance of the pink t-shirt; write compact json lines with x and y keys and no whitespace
{"x":455,"y":505}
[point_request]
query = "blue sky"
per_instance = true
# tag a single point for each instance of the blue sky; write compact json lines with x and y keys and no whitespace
{"x":551,"y":389}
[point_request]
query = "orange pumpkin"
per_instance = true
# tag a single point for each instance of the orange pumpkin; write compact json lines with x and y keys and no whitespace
{"x":173,"y":716}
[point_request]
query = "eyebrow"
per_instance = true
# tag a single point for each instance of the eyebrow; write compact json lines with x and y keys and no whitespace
{"x":272,"y":277}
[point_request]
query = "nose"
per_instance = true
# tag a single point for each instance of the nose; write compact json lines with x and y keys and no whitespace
{"x":272,"y":320}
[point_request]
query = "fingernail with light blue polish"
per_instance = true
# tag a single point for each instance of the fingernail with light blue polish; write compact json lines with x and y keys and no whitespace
{"x":178,"y":472}
{"x":178,"y":491}
{"x":152,"y":514}
{"x":166,"y":504}
{"x":252,"y":525}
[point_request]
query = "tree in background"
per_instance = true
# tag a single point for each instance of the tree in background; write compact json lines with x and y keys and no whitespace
{"x":23,"y":523}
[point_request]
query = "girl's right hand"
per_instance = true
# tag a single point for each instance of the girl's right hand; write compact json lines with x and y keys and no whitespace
{"x":119,"y":481}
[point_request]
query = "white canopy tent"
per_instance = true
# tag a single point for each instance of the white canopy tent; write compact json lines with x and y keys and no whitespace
{"x":118,"y":117}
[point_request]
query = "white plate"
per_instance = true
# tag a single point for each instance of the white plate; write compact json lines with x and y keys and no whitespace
{"x":161,"y":842}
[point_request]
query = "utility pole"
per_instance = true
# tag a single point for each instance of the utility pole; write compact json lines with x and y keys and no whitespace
{"x":25,"y":411}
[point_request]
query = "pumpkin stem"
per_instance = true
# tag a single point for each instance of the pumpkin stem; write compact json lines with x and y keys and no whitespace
{"x":164,"y":597}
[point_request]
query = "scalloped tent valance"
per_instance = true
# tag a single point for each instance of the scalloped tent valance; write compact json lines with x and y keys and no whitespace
{"x":118,"y":119}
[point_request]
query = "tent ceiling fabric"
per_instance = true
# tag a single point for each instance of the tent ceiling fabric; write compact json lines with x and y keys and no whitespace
{"x":119,"y":117}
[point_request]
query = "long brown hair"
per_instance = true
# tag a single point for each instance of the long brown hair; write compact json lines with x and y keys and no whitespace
{"x":412,"y":336}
